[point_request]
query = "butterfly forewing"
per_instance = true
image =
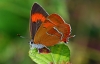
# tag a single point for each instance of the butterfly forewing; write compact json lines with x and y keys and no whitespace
{"x":38,"y":15}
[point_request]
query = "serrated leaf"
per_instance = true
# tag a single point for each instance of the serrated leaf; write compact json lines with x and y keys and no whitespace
{"x":60,"y":54}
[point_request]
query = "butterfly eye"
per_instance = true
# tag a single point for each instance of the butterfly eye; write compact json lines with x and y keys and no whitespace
{"x":31,"y":42}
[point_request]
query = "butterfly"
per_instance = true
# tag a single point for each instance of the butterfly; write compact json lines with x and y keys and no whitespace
{"x":47,"y":30}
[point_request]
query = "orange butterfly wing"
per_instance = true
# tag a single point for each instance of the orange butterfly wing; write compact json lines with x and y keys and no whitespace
{"x":60,"y":26}
{"x":42,"y":37}
{"x":52,"y":31}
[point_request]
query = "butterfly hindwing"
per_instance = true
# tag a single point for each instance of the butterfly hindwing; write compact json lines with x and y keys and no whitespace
{"x":59,"y":27}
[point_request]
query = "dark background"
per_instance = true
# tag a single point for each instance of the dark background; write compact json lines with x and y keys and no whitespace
{"x":82,"y":15}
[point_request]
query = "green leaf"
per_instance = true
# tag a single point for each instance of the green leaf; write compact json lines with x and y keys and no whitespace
{"x":60,"y":54}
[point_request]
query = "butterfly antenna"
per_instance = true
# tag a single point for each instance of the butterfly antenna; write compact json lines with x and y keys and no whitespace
{"x":22,"y":36}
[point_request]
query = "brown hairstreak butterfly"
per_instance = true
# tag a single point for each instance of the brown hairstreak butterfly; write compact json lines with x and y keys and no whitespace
{"x":47,"y":30}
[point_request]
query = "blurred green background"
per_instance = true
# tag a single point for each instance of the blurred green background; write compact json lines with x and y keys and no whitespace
{"x":82,"y":15}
